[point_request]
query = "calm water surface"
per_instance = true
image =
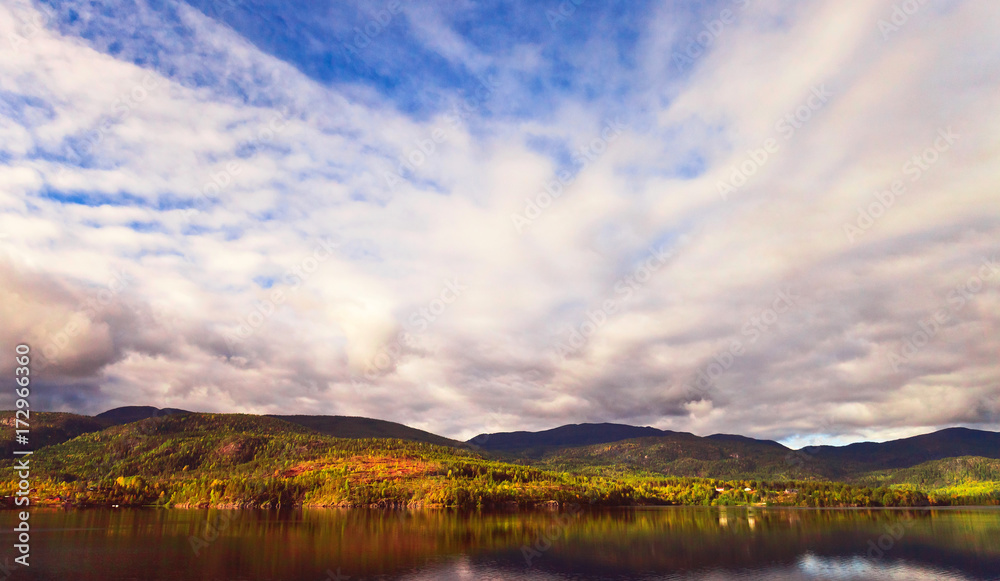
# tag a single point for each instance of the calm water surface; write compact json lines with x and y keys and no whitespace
{"x":647,"y":544}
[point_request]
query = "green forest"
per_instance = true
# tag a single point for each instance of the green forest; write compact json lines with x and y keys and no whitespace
{"x":234,"y":460}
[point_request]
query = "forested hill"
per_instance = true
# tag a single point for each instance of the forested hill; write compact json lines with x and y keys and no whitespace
{"x":355,"y":427}
{"x":92,"y":449}
{"x":49,"y":428}
{"x":237,"y":460}
{"x":568,"y":436}
{"x":134,"y":413}
{"x":577,"y":435}
{"x":194,"y":459}
{"x":948,"y":443}
{"x":613,"y":449}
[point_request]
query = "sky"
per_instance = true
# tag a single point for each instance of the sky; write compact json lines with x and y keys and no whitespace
{"x":766,"y":217}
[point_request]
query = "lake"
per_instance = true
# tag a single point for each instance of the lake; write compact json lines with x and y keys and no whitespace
{"x":656,"y":543}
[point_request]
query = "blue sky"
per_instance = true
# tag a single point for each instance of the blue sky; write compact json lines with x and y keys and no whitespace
{"x":737,"y":216}
{"x":395,"y":53}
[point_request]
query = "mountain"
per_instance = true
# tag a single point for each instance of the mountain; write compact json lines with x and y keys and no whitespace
{"x":599,"y":449}
{"x":243,"y":460}
{"x":172,"y":443}
{"x":50,"y":428}
{"x":355,"y":428}
{"x":616,"y":448}
{"x":744,"y":440}
{"x":134,"y":413}
{"x":947,"y":472}
{"x":676,"y":454}
{"x":240,"y":460}
{"x":47,"y":429}
{"x":336,"y":426}
{"x":947,"y":443}
{"x":568,"y":436}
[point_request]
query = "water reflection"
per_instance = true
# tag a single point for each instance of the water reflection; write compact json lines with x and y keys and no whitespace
{"x":809,"y":569}
{"x":675,"y":543}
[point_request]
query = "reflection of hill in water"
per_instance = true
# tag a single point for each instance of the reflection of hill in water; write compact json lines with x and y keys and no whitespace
{"x":674,"y":543}
{"x":808,"y":568}
{"x":671,"y":540}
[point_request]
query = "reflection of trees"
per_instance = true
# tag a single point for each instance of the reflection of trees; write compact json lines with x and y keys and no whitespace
{"x":367,"y":543}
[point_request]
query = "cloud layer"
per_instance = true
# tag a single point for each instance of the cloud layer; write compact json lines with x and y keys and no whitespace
{"x":762,"y":217}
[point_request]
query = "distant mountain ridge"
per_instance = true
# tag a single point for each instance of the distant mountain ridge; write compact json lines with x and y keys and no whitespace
{"x":47,"y":429}
{"x":254,"y":461}
{"x":601,"y":447}
{"x":135,"y":413}
{"x":568,"y":436}
{"x":576,"y":435}
{"x":744,"y":440}
{"x":336,"y":426}
{"x":616,"y":447}
{"x":947,"y":443}
{"x":357,"y":427}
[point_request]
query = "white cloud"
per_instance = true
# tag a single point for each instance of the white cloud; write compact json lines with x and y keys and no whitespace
{"x":315,"y":168}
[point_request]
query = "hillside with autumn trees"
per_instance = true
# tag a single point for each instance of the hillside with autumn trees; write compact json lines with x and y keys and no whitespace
{"x":236,"y":460}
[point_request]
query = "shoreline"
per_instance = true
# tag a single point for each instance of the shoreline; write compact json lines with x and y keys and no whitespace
{"x":541,"y":508}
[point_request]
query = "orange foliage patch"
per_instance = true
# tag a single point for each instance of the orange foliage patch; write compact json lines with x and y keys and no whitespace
{"x":366,"y":469}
